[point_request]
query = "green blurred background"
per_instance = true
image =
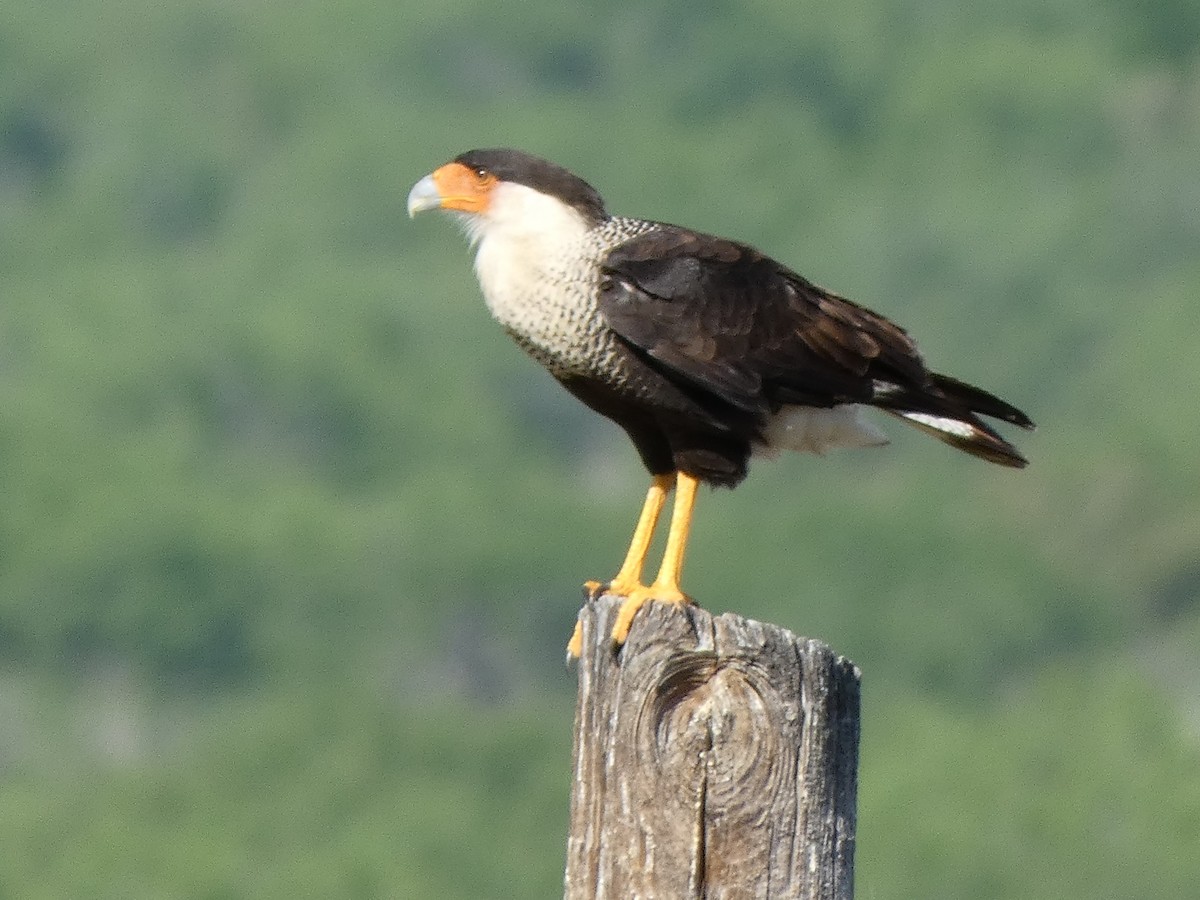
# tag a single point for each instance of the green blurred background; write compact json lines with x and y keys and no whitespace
{"x":291,"y":538}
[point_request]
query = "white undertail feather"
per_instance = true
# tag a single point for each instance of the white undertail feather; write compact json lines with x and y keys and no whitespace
{"x":807,"y":429}
{"x":944,"y":424}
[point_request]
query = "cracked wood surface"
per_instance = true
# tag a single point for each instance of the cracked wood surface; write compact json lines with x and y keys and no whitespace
{"x":715,"y":757}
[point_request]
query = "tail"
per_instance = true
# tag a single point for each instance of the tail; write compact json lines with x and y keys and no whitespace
{"x":949,"y":410}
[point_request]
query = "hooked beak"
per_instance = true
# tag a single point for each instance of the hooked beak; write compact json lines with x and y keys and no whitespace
{"x":424,"y":195}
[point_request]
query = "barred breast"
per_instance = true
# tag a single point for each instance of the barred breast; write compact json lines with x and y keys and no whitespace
{"x":542,"y":290}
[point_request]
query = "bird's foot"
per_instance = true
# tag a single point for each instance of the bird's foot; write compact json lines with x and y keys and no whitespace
{"x":575,"y":644}
{"x":635,"y":593}
{"x":592,"y":590}
{"x":637,"y":598}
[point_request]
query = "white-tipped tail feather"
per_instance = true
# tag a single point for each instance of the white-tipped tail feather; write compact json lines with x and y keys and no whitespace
{"x":944,"y":424}
{"x":807,"y":429}
{"x":968,"y":434}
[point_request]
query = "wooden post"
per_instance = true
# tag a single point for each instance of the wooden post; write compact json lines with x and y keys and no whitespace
{"x":715,"y":757}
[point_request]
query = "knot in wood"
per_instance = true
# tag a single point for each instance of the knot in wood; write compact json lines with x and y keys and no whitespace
{"x":715,"y":757}
{"x":720,"y":725}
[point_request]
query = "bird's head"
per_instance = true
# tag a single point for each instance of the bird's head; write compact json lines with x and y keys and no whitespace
{"x":508,"y":189}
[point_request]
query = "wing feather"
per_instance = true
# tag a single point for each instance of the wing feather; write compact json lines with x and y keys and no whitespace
{"x":735,"y":322}
{"x":719,"y":317}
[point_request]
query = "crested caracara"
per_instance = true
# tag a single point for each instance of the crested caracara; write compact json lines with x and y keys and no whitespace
{"x":705,"y":351}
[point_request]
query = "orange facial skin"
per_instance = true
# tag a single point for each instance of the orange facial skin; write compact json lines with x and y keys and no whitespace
{"x":463,"y":188}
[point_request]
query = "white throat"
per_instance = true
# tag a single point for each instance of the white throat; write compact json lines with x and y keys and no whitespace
{"x":520,"y":243}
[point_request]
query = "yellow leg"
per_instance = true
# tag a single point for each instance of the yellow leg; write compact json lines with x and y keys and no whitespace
{"x":629,"y":576}
{"x":666,"y":585}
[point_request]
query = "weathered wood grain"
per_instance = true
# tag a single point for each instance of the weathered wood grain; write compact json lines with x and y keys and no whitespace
{"x":715,"y":757}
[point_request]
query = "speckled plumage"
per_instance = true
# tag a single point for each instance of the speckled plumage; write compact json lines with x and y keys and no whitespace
{"x":548,"y":304}
{"x":702,"y":349}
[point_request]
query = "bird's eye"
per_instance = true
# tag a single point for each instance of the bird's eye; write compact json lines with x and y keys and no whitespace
{"x":481,"y":173}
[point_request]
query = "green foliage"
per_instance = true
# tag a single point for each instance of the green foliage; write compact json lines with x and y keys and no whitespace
{"x":292,"y":795}
{"x":1080,"y":787}
{"x":263,"y":452}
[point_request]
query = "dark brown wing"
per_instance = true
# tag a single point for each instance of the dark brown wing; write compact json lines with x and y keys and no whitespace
{"x":724,"y":318}
{"x":739,"y":324}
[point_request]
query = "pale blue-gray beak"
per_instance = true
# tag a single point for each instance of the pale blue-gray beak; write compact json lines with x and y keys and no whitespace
{"x":424,"y":195}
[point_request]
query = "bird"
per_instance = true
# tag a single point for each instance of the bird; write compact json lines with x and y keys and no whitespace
{"x":705,"y":351}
